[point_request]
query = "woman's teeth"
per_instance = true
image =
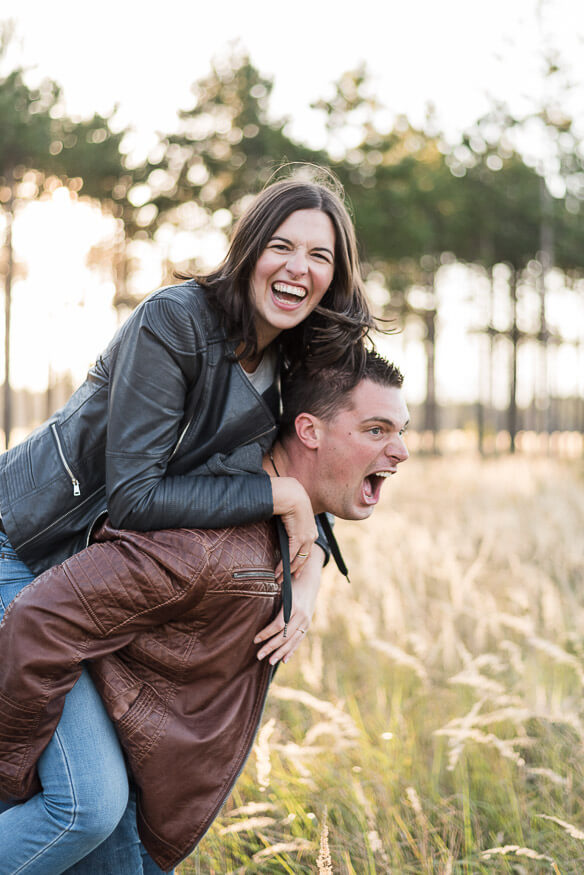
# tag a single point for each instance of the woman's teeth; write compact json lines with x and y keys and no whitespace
{"x":296,"y":292}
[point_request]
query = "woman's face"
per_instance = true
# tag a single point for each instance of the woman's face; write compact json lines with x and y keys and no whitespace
{"x":292,"y":273}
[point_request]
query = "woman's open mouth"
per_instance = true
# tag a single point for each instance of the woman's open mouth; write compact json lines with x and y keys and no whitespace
{"x":288,"y":296}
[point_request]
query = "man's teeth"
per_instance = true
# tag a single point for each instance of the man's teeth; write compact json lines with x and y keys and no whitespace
{"x":384,"y":473}
{"x":290,"y":290}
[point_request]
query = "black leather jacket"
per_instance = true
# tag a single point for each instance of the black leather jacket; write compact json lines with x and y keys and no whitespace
{"x":162,"y":399}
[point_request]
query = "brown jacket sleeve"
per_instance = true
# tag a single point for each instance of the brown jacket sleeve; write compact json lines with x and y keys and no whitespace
{"x":92,"y":604}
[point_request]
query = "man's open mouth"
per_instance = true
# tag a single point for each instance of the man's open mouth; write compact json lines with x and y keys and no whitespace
{"x":372,"y":486}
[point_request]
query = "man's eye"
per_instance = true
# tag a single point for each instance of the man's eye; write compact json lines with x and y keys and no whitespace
{"x":376,"y":429}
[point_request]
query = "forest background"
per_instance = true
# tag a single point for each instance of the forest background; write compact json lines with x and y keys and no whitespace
{"x":470,"y":236}
{"x":433,"y":722}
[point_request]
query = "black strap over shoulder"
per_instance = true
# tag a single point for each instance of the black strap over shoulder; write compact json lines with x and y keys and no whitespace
{"x":285,"y":553}
{"x":287,"y":576}
{"x":332,"y":542}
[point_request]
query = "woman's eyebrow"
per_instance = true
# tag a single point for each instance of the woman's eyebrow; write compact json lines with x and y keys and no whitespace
{"x":289,"y":242}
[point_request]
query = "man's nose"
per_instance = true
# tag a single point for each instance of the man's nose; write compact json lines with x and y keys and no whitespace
{"x":396,"y":448}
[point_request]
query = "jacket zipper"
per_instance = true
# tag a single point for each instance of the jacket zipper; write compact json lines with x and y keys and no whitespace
{"x":90,"y":528}
{"x":181,"y":436}
{"x":188,"y":425}
{"x":62,"y":517}
{"x":261,"y":434}
{"x":254,"y":575}
{"x":74,"y":480}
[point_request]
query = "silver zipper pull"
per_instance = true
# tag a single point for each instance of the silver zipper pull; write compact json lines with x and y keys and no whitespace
{"x":74,"y":480}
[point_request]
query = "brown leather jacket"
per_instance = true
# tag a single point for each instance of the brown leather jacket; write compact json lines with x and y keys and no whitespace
{"x":167,"y":619}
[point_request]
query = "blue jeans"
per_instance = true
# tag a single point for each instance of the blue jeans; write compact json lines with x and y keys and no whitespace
{"x":121,"y":852}
{"x":84,"y":785}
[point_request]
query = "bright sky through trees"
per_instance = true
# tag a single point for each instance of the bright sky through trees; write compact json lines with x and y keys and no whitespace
{"x":454,"y":55}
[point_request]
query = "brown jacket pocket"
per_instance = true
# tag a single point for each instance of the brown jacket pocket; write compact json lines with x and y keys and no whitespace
{"x":142,"y":725}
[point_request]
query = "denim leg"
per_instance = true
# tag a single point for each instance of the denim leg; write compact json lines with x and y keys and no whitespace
{"x":149,"y":867}
{"x":82,"y":772}
{"x":121,"y":852}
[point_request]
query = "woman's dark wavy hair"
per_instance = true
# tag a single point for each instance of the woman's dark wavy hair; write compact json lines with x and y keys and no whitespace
{"x":342,"y":320}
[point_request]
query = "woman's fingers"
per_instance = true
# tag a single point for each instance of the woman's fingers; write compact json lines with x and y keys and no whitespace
{"x":273,"y":628}
{"x":305,"y":585}
{"x":297,"y":560}
{"x":279,"y":646}
{"x":285,"y":652}
{"x":292,"y":504}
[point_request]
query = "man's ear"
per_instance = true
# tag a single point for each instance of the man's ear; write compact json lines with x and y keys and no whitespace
{"x":308,"y":430}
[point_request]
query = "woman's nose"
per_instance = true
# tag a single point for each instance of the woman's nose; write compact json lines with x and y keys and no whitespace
{"x":297,"y":263}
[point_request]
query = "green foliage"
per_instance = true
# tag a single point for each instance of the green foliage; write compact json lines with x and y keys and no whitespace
{"x":90,"y":149}
{"x":26,"y":124}
{"x":225,"y":146}
{"x":404,"y":197}
{"x":412,"y":194}
{"x":418,"y":201}
{"x":37,"y":135}
{"x":501,"y":212}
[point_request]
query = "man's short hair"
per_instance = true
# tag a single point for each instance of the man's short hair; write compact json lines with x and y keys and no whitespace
{"x":326,"y":391}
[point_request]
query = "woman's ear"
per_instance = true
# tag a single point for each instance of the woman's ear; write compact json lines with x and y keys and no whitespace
{"x":308,"y":430}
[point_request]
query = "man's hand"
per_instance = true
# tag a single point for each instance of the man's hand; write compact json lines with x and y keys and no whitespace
{"x":305,"y":587}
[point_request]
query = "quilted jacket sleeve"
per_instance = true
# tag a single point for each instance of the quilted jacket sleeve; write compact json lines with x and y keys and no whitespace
{"x":93,"y":604}
{"x":156,"y":361}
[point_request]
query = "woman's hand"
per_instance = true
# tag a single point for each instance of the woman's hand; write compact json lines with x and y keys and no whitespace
{"x":305,"y":587}
{"x":292,"y":504}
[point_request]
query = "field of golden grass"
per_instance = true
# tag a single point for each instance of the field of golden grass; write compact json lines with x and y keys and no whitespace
{"x":433,"y":721}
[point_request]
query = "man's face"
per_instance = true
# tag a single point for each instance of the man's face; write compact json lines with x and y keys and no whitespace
{"x":359,"y":448}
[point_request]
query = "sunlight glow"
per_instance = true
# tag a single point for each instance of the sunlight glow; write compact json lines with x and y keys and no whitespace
{"x":62,"y":314}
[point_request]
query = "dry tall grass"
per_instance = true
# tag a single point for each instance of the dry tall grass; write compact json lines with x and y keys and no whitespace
{"x":433,"y":721}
